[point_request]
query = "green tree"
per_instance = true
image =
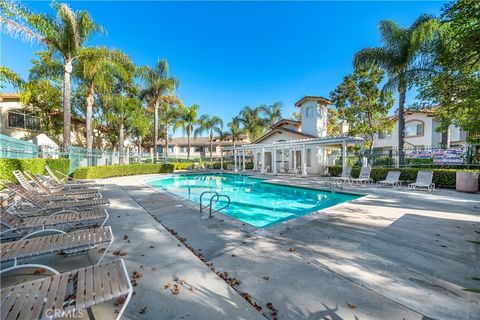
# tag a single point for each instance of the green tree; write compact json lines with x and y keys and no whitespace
{"x":141,"y":125}
{"x":454,"y":84}
{"x":253,"y":123}
{"x":45,"y":100}
{"x":8,"y":76}
{"x":399,"y":57}
{"x":187,"y":119}
{"x":273,"y":113}
{"x":97,"y":69}
{"x":235,"y":130}
{"x":210,"y":125}
{"x":169,"y":112}
{"x":362,"y":104}
{"x":296,"y":115}
{"x":157,"y":83}
{"x":63,"y":35}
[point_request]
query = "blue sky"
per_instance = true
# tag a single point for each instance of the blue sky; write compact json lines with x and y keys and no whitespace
{"x":228,"y":55}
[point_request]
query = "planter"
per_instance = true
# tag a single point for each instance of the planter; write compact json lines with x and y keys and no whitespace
{"x":467,"y":181}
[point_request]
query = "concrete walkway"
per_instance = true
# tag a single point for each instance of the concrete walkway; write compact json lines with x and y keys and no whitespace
{"x":389,"y":255}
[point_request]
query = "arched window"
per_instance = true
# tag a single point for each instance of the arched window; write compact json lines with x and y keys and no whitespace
{"x":309,"y":112}
{"x":414,"y":128}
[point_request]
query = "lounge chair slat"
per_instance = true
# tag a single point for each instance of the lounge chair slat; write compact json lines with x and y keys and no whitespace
{"x":123,"y":285}
{"x":9,"y":296}
{"x":25,"y":312}
{"x":80,"y":298}
{"x":41,"y":298}
{"x":97,"y":280}
{"x":52,"y":293}
{"x":113,"y":278}
{"x":107,"y":292}
{"x":89,"y":287}
{"x":20,"y":300}
{"x":62,"y":289}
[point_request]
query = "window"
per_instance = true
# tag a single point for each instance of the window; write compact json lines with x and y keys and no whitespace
{"x":414,"y":128}
{"x":199,"y":149}
{"x":22,"y":119}
{"x":170,"y":149}
{"x":309,"y":112}
{"x":183,"y":149}
{"x":309,"y":157}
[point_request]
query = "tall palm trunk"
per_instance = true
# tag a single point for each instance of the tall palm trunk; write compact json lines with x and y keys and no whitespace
{"x":120,"y":144}
{"x":139,"y":156}
{"x":401,"y":123}
{"x":165,"y":132}
{"x":66,"y":102}
{"x":155,"y":138}
{"x":211,"y":147}
{"x":189,"y":133}
{"x":88,"y":119}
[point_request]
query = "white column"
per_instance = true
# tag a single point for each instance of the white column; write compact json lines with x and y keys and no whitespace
{"x":294,"y":160}
{"x":283,"y":160}
{"x":344,"y":154}
{"x":263,"y":160}
{"x":274,"y":160}
{"x":304,"y":160}
{"x":221,"y":159}
{"x":243,"y":159}
{"x":235,"y":169}
{"x":255,"y":160}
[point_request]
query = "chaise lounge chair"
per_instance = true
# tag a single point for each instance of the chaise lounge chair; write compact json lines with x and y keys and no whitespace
{"x":392,"y":179}
{"x":19,"y":226}
{"x":49,"y":195}
{"x":70,"y":183}
{"x":59,"y":242}
{"x":363,"y":177}
{"x":67,"y":294}
{"x":345,"y":177}
{"x":46,"y":205}
{"x":424,"y":180}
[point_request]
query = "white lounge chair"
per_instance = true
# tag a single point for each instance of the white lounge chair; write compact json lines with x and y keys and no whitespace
{"x":424,"y":180}
{"x":65,"y":295}
{"x":345,"y":177}
{"x":392,"y":179}
{"x":363,"y":177}
{"x":57,"y":241}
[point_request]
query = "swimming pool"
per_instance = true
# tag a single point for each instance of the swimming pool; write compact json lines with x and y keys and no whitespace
{"x":253,"y":201}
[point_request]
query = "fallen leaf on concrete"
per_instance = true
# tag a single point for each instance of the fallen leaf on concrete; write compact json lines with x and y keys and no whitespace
{"x":136,"y":275}
{"x":152,"y":246}
{"x":125,"y":237}
{"x":119,"y":253}
{"x":291,"y":250}
{"x":167,"y":285}
{"x":143,"y":310}
{"x":39,"y":271}
{"x":351,"y":306}
{"x":266,"y":278}
{"x":119,"y":301}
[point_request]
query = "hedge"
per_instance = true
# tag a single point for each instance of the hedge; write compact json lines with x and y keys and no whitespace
{"x":443,"y":178}
{"x":35,"y":165}
{"x":99,"y":172}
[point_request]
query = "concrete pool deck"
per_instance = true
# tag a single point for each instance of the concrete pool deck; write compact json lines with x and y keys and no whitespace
{"x":388,"y":255}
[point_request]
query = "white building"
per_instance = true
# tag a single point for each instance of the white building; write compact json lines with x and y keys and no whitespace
{"x":420,"y":132}
{"x":297,"y":147}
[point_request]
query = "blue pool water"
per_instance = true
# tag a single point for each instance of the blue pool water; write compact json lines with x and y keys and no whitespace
{"x":252,"y":200}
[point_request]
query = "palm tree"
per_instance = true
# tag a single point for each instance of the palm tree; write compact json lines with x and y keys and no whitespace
{"x":157,"y":83}
{"x":169,"y":111}
{"x":64,"y":36}
{"x":97,"y":69}
{"x":7,"y":75}
{"x":273,"y":113}
{"x":235,"y":129}
{"x":141,"y":123}
{"x":253,"y":123}
{"x":186,"y":120}
{"x":209,"y":125}
{"x":400,"y":58}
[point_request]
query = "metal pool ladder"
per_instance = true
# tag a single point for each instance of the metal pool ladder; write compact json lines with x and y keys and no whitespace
{"x":215,"y":197}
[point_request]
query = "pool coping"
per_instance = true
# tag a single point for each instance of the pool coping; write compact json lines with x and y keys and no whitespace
{"x":245,"y":226}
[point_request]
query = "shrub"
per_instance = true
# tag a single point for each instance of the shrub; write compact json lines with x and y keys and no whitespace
{"x":99,"y":172}
{"x":34,"y":165}
{"x":443,"y":178}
